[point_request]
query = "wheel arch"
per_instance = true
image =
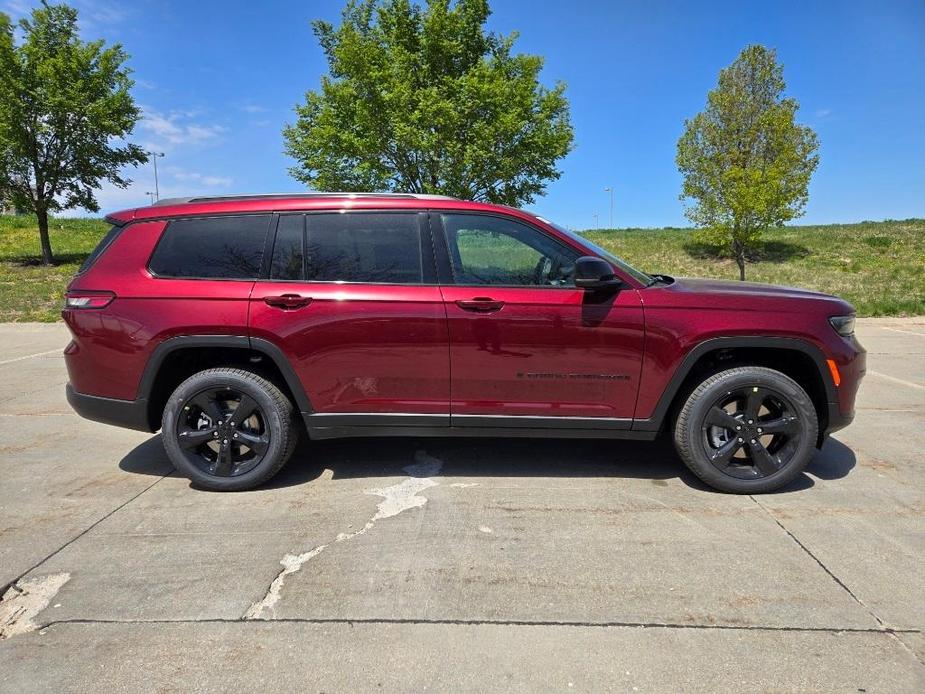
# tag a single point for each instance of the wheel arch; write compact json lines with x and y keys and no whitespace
{"x":796,"y":358}
{"x":177,"y":358}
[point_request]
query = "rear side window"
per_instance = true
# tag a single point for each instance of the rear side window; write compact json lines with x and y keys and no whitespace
{"x":212,"y":248}
{"x":100,"y":247}
{"x":360,"y":247}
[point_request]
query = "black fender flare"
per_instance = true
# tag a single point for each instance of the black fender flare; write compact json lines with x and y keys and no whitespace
{"x":654,"y":423}
{"x":250,"y":344}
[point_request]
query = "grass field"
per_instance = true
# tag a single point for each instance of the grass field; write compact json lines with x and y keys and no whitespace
{"x":878,"y":266}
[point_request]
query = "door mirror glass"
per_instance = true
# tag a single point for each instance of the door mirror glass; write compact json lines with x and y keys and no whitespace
{"x":595,"y":273}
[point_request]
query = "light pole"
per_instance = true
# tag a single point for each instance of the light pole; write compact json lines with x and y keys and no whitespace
{"x":154,"y":156}
{"x":595,"y":220}
{"x":609,"y":189}
{"x":151,"y":195}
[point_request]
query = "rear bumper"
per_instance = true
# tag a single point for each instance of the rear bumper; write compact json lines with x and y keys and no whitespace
{"x":129,"y":414}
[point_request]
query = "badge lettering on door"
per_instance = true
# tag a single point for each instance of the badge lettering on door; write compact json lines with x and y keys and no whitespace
{"x":550,"y":376}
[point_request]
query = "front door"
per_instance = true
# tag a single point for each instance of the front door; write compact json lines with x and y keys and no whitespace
{"x":528,"y":348}
{"x":352,"y":301}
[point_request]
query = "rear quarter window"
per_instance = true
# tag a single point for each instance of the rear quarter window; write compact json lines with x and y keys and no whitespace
{"x":212,"y":248}
{"x":104,"y":243}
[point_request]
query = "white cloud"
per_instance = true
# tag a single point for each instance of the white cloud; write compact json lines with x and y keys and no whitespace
{"x":17,"y":8}
{"x":94,"y":17}
{"x":176,"y":128}
{"x":209,"y":181}
{"x":823,"y":113}
{"x":253,"y":108}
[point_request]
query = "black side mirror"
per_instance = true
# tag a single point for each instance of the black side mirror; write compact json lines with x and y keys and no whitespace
{"x":595,"y":273}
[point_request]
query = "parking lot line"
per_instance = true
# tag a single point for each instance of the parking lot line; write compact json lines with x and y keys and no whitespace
{"x":31,"y":356}
{"x":895,"y":380}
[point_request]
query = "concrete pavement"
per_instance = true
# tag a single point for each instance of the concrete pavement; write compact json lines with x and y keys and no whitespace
{"x":461,"y":564}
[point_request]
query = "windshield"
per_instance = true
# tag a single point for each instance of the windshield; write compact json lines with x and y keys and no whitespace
{"x":638,"y":275}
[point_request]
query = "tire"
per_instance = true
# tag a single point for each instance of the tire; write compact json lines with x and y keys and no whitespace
{"x":228,"y":429}
{"x":747,"y":430}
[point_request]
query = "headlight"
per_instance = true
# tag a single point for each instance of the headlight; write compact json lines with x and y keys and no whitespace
{"x":844,"y":325}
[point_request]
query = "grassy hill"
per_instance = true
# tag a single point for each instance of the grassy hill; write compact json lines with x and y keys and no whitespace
{"x":878,"y":266}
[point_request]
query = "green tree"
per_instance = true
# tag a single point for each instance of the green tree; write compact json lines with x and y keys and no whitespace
{"x":745,"y":161}
{"x":423,"y":99}
{"x":65,"y":110}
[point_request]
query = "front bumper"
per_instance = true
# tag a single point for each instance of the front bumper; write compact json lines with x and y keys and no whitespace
{"x":129,"y":414}
{"x":837,"y":419}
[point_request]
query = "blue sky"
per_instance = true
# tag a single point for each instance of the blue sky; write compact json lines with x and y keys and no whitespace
{"x":217,"y":80}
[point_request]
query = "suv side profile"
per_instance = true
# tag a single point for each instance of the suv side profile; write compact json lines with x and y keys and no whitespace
{"x":234,"y":324}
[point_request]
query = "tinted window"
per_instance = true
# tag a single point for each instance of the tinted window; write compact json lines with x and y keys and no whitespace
{"x":364,"y":248}
{"x":492,"y":250}
{"x":219,"y":247}
{"x":287,"y":249}
{"x":100,"y":247}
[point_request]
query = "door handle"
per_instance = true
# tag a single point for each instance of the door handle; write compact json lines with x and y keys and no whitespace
{"x":287,"y":302}
{"x":480,"y":304}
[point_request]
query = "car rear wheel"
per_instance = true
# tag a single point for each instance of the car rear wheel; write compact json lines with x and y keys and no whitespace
{"x":747,"y":430}
{"x":228,"y":429}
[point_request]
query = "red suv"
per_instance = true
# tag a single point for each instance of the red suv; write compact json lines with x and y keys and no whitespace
{"x":230,"y":322}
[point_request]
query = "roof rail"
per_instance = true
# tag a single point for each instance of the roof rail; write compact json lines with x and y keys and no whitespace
{"x":279,"y":196}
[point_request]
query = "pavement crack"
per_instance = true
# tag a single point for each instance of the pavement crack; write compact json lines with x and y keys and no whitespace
{"x":80,"y":535}
{"x":822,"y":565}
{"x":611,"y":624}
{"x":395,"y":499}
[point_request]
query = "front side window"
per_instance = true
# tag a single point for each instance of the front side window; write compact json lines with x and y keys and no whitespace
{"x":212,"y":248}
{"x":497,"y":251}
{"x":364,"y":247}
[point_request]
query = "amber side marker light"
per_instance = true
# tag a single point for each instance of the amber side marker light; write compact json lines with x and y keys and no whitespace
{"x":833,"y":367}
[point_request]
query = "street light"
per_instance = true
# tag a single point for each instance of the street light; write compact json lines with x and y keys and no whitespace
{"x":609,"y":189}
{"x":151,"y":195}
{"x":154,"y":156}
{"x":595,"y":221}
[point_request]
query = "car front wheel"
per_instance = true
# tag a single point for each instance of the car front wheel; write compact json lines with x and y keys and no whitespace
{"x":747,"y":430}
{"x":228,"y":429}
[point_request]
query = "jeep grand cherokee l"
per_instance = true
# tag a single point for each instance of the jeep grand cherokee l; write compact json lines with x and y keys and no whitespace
{"x":233,"y":323}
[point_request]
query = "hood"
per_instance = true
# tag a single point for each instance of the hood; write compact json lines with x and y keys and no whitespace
{"x":709,"y":286}
{"x":746,"y":296}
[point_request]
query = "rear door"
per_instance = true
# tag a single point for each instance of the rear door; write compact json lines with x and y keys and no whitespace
{"x":352,"y":300}
{"x":528,"y":348}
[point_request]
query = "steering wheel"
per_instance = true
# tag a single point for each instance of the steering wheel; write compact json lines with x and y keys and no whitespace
{"x":542,"y":270}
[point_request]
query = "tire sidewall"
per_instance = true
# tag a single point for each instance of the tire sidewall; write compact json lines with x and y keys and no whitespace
{"x":729,"y":381}
{"x":277,"y":424}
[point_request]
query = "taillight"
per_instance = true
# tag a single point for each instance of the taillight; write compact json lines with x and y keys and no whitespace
{"x":82,"y":300}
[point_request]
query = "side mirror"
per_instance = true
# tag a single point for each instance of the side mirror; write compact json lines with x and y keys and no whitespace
{"x":595,"y":273}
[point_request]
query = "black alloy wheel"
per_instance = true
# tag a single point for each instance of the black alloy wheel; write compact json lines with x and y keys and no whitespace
{"x":228,"y":429}
{"x":223,"y":432}
{"x":751,"y":432}
{"x":747,"y":430}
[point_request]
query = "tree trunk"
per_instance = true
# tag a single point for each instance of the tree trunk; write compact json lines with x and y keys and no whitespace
{"x":739,"y":249}
{"x":42,"y":214}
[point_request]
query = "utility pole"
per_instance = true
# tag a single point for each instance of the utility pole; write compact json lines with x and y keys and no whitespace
{"x":154,"y":156}
{"x":609,"y":189}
